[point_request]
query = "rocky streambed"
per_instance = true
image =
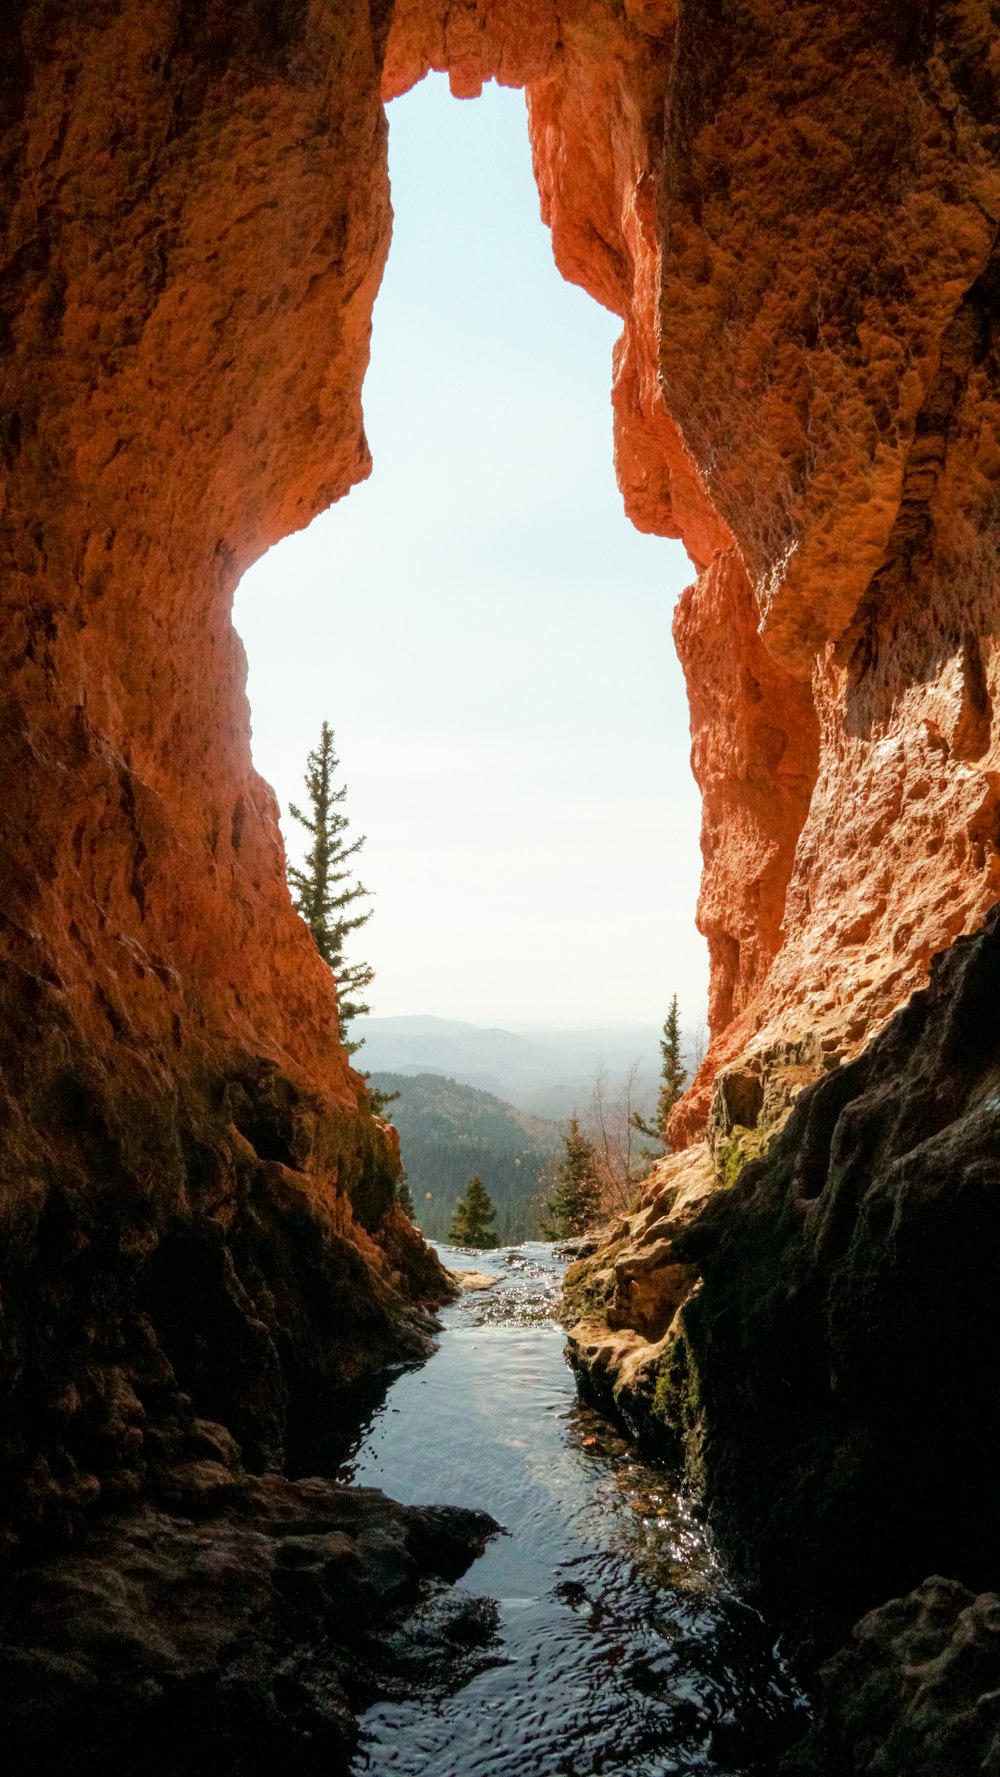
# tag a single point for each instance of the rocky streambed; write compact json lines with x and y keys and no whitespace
{"x":495,"y":1581}
{"x":617,"y":1644}
{"x":249,"y":1621}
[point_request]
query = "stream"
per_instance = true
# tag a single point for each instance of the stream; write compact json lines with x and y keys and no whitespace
{"x":615,"y":1646}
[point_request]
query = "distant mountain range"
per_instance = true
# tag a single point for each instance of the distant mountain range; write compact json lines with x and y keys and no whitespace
{"x":547,"y":1070}
{"x":448,"y":1132}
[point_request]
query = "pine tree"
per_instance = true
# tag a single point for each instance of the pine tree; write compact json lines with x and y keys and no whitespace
{"x":673,"y":1077}
{"x":473,"y":1221}
{"x":574,"y":1202}
{"x":403,"y":1196}
{"x":323,"y":889}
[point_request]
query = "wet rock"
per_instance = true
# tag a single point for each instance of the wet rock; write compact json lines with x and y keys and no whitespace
{"x":838,"y":1366}
{"x":250,"y":1636}
{"x":915,"y":1692}
{"x":469,"y":1281}
{"x":580,"y":1247}
{"x":442,"y":1644}
{"x":634,"y":1278}
{"x":622,"y":1300}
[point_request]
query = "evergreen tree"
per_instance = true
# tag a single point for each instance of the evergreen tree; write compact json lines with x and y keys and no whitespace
{"x":403,"y":1197}
{"x":323,"y":889}
{"x":574,"y":1202}
{"x":472,"y":1223}
{"x":673,"y":1077}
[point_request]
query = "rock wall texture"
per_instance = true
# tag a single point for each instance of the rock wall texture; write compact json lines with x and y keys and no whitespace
{"x":795,"y":216}
{"x":831,"y":206}
{"x":849,"y":1301}
{"x":196,"y":1205}
{"x":826,"y":1360}
{"x":246,"y":1631}
{"x":913,"y":1692}
{"x":794,"y":210}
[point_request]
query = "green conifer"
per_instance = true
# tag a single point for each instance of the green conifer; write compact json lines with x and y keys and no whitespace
{"x":473,"y":1221}
{"x":673,"y":1078}
{"x":574,"y":1202}
{"x":323,"y":890}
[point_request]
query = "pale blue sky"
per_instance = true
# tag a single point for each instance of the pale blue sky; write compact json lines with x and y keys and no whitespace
{"x":484,"y":629}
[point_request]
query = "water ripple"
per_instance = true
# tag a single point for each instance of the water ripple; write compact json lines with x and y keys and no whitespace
{"x":617,"y":1648}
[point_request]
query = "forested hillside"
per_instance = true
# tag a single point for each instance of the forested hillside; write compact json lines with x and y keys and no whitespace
{"x":448,"y":1132}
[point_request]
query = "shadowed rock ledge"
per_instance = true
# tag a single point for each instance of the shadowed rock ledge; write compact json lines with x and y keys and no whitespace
{"x":916,"y":1691}
{"x":247,"y":1631}
{"x":794,"y":210}
{"x":831,"y":1375}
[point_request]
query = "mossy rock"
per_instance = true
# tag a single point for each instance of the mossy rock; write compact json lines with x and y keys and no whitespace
{"x":737,"y":1149}
{"x":677,"y":1402}
{"x":588,"y":1289}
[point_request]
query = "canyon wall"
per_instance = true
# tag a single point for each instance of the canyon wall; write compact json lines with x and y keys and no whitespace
{"x":197,"y":1207}
{"x":793,"y":209}
{"x":795,"y":216}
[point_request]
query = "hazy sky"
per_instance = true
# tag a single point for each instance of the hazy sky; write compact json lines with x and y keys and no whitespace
{"x":485,"y":631}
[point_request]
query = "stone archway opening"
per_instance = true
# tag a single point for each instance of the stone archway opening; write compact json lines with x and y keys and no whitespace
{"x":488,"y":634}
{"x":197,"y":217}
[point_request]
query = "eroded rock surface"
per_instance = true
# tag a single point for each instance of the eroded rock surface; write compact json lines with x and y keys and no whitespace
{"x":621,"y":1301}
{"x":794,"y":210}
{"x":833,"y":1380}
{"x":915,"y":1693}
{"x":794,"y":216}
{"x":195,"y":1199}
{"x":246,"y":1632}
{"x":828,"y":1378}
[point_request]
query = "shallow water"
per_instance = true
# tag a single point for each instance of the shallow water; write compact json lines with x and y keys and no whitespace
{"x":618,"y":1648}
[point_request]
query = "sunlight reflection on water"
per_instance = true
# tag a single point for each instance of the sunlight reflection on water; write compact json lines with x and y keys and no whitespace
{"x":620,"y":1650}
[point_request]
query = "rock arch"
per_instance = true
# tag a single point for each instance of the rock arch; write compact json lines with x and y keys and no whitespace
{"x":795,"y":215}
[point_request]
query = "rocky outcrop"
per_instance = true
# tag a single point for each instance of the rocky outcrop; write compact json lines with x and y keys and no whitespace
{"x":839,"y":283}
{"x":247,"y":1635}
{"x":832,"y":1380}
{"x":621,"y":1301}
{"x":195,"y":1200}
{"x":915,"y":1692}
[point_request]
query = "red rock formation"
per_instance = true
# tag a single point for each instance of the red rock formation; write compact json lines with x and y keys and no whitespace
{"x":794,"y":216}
{"x":195,"y":1201}
{"x":794,"y":210}
{"x":831,"y":199}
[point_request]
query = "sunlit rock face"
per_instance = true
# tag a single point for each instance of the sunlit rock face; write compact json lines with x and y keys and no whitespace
{"x":195,"y":1206}
{"x":794,"y":214}
{"x":829,"y":208}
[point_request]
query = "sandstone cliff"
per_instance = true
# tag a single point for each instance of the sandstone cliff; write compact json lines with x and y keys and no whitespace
{"x":794,"y":210}
{"x":196,"y":1205}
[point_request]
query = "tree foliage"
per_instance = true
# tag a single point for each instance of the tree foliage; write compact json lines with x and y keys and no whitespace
{"x":449,"y":1131}
{"x":473,"y":1221}
{"x":323,"y":888}
{"x":673,"y":1077}
{"x":574,"y":1203}
{"x":403,"y":1197}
